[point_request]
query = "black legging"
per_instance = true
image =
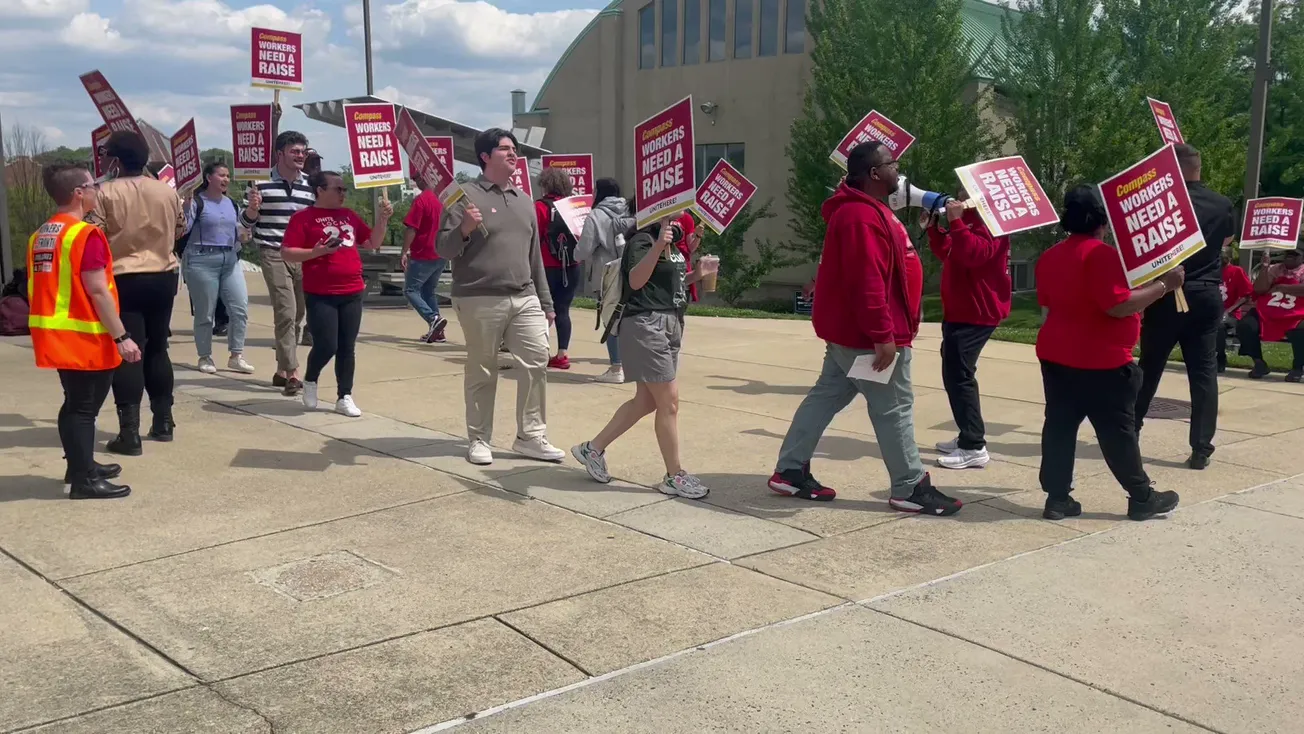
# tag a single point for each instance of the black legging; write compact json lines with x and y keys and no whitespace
{"x":334,"y":322}
{"x":1249,"y":332}
{"x":145,"y":301}
{"x":562,"y":283}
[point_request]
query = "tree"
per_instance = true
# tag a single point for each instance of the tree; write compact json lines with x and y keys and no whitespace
{"x":29,"y":205}
{"x":1283,"y":158}
{"x":915,"y":66}
{"x":740,"y":273}
{"x":1056,"y":77}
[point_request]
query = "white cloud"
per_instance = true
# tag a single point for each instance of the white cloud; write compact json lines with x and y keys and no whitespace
{"x":56,"y":9}
{"x":478,"y":28}
{"x":217,"y":20}
{"x":94,"y":32}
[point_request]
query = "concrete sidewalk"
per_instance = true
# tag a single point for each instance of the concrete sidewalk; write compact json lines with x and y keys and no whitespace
{"x":276,"y":570}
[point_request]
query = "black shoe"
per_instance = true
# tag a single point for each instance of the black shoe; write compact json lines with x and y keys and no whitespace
{"x":800,"y":484}
{"x":98,"y":489}
{"x":1198,"y":461}
{"x":278,"y":380}
{"x":1294,"y":375}
{"x":926,"y":500}
{"x":163,"y":426}
{"x":1160,"y":503}
{"x":220,"y":330}
{"x":1260,"y":370}
{"x":127,"y":442}
{"x":98,"y":471}
{"x":1222,"y":367}
{"x":1058,"y":508}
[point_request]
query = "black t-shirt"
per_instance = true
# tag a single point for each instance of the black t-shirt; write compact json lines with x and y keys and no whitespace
{"x":1217,"y":220}
{"x":664,"y":291}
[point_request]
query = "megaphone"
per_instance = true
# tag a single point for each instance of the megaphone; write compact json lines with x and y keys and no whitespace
{"x":907,"y":194}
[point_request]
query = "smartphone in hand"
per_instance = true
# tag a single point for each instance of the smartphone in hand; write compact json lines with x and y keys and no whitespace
{"x":333,"y":242}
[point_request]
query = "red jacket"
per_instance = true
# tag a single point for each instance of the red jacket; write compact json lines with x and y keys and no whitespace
{"x":976,"y":284}
{"x":863,"y":296}
{"x":543,"y":213}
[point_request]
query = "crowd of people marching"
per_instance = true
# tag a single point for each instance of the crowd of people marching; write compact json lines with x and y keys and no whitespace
{"x":104,"y":271}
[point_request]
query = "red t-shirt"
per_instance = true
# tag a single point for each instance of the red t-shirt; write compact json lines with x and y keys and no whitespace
{"x":95,"y":256}
{"x":336,"y":274}
{"x":1279,"y":312}
{"x":424,"y":217}
{"x":689,"y":226}
{"x":543,"y":213}
{"x":1235,"y":286}
{"x":1078,"y":281}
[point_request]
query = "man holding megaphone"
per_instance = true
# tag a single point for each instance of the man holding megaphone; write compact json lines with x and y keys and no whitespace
{"x":976,"y":291}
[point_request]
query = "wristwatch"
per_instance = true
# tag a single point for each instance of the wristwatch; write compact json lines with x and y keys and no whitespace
{"x":125,"y":336}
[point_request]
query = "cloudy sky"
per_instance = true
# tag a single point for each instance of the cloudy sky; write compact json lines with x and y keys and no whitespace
{"x":171,"y":60}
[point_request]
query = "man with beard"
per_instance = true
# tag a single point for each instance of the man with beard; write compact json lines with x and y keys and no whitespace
{"x":868,"y":313}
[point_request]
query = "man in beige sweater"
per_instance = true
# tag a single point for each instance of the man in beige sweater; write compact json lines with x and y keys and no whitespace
{"x":500,"y":295}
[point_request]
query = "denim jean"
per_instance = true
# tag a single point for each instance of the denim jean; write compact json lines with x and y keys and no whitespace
{"x":212,"y":272}
{"x":419,"y":283}
{"x":613,"y":350}
{"x":891,"y":411}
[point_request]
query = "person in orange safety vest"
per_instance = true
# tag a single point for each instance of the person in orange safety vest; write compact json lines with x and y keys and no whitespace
{"x":75,"y":325}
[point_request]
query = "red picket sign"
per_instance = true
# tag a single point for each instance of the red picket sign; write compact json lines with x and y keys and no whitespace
{"x":1151,"y":215}
{"x":373,"y":147}
{"x":425,"y":160}
{"x":252,"y":142}
{"x":723,"y":194}
{"x":276,"y":60}
{"x":110,"y":105}
{"x":1272,"y":223}
{"x":99,"y":136}
{"x":873,"y":126}
{"x":579,"y":166}
{"x":185,"y":157}
{"x":1009,"y":198}
{"x":574,"y":211}
{"x":168,"y":175}
{"x":521,"y":178}
{"x":1168,"y":130}
{"x":665,"y":181}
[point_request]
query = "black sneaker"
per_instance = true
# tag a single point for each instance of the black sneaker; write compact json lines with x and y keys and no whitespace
{"x":1058,"y":508}
{"x":98,"y":489}
{"x":98,"y":471}
{"x":1198,"y":461}
{"x":435,"y":335}
{"x":1294,"y":375}
{"x":800,"y":484}
{"x":926,"y":500}
{"x":1260,"y":370}
{"x":278,"y":380}
{"x":1160,"y":503}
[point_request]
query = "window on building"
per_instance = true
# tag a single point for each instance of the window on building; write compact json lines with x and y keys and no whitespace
{"x":710,"y":154}
{"x":669,"y":32}
{"x":715,"y":30}
{"x":743,"y":13}
{"x":647,"y":37}
{"x":794,"y":38}
{"x":692,"y":31}
{"x":769,"y":41}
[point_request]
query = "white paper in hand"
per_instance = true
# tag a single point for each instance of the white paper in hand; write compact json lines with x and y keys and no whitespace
{"x":863,"y":369}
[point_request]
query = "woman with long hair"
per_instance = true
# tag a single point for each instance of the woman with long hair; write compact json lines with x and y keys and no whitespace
{"x":602,"y":242}
{"x":211,"y":266}
{"x":1093,"y":322}
{"x":650,"y":327}
{"x":557,"y":245}
{"x":325,"y":237}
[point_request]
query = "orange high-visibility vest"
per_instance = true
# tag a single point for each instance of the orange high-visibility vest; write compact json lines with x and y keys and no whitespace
{"x":66,"y":331}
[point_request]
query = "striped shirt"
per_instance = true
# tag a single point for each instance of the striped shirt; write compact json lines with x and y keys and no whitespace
{"x":281,"y":200}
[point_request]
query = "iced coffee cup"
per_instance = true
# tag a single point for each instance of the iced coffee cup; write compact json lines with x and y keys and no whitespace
{"x":709,"y":265}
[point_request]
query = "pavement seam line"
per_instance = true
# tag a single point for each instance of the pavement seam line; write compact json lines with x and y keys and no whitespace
{"x":1047,"y":669}
{"x":271,"y":725}
{"x":1228,"y":502}
{"x":100,"y":709}
{"x":548,"y":648}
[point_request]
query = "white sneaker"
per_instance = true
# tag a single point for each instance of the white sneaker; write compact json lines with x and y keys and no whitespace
{"x":964,"y":459}
{"x":479,"y":453}
{"x":310,"y":395}
{"x":595,"y":463}
{"x":615,"y":375}
{"x":237,"y":362}
{"x":683,"y":485}
{"x":538,"y":448}
{"x":346,"y":406}
{"x":206,"y":366}
{"x":949,"y":447}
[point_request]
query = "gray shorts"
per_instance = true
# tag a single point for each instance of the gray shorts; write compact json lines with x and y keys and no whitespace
{"x":649,"y":346}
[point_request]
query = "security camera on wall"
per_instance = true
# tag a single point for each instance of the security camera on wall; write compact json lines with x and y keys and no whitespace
{"x":708,"y":107}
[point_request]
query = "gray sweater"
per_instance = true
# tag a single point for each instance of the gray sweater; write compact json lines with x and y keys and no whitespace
{"x":508,"y":261}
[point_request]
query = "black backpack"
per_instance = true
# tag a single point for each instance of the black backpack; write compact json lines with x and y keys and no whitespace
{"x":561,"y":243}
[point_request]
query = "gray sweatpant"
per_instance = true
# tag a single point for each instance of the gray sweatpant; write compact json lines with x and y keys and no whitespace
{"x":891,"y":411}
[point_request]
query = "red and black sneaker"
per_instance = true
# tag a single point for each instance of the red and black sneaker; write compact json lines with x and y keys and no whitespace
{"x":800,"y":484}
{"x":559,"y":362}
{"x":926,"y":500}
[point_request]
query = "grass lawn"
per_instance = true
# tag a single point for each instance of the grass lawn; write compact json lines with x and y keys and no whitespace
{"x":1021,"y":326}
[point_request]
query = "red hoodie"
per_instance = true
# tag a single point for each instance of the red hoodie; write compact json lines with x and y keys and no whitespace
{"x":975,"y":272}
{"x":863,"y":288}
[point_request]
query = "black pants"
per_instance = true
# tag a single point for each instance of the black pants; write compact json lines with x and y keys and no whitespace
{"x":1229,"y":322}
{"x":334,"y":322}
{"x":562,"y":283}
{"x":145,"y":300}
{"x":1196,"y":331}
{"x":961,"y":345}
{"x":83,"y":396}
{"x":1248,"y":331}
{"x":1107,"y":399}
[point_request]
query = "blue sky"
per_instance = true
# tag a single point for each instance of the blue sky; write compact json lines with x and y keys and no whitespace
{"x":171,"y":60}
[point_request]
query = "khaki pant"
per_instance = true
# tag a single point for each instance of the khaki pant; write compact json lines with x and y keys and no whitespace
{"x":518,"y":323}
{"x":285,"y":288}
